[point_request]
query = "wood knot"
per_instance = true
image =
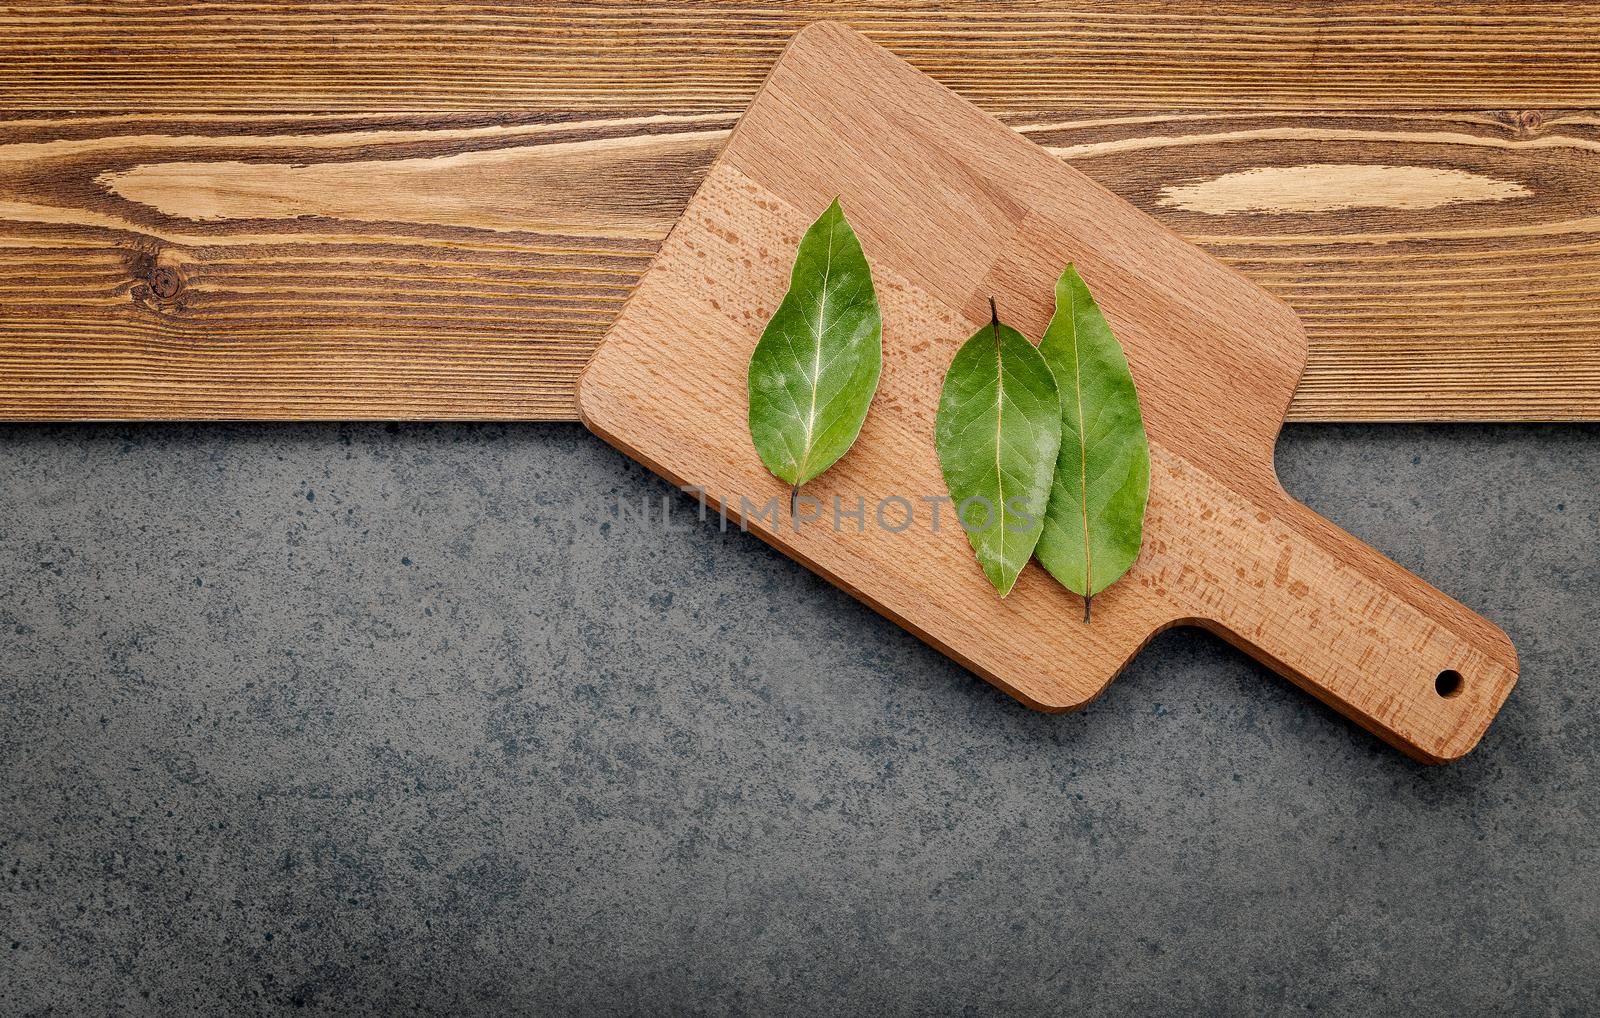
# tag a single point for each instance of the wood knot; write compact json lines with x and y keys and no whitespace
{"x":165,"y":282}
{"x":160,"y":278}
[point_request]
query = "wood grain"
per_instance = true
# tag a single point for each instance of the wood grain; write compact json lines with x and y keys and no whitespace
{"x":1013,"y":58}
{"x":953,"y":209}
{"x":383,"y":265}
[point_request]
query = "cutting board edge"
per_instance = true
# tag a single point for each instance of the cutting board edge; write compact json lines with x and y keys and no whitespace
{"x":620,"y":321}
{"x":593,"y":420}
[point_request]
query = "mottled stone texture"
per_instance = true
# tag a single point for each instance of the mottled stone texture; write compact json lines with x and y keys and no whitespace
{"x":382,"y":719}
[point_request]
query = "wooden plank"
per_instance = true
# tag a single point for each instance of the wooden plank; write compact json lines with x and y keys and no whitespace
{"x":956,"y":211}
{"x":391,"y":265}
{"x":1013,"y":58}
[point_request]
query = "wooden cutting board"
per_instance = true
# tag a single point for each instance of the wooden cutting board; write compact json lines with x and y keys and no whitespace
{"x":951,"y":208}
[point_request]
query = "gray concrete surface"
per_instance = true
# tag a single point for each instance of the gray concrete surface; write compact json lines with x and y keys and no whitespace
{"x":386,"y":719}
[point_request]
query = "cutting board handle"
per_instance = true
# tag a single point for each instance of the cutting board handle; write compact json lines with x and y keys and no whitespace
{"x":1359,"y":632}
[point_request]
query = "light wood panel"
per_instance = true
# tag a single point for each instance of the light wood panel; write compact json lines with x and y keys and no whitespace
{"x":1012,"y":57}
{"x":1445,"y":264}
{"x":953,"y":210}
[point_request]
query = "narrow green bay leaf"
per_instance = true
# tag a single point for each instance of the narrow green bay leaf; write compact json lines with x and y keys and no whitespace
{"x":816,"y":367}
{"x":997,"y":432}
{"x":1095,"y":521}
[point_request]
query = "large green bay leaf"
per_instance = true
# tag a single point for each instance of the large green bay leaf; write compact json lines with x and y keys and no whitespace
{"x":1095,"y":521}
{"x":997,"y":432}
{"x":816,"y":367}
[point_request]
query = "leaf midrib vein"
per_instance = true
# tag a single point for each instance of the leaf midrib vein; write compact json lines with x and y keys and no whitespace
{"x":1083,"y":452}
{"x":999,"y":438}
{"x":816,"y":360}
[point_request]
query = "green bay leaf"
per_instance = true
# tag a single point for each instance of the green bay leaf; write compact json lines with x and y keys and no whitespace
{"x":816,"y":367}
{"x":1095,"y":521}
{"x":997,"y":432}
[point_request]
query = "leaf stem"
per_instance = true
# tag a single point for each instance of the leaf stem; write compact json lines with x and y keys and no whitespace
{"x":1087,"y":598}
{"x":994,"y":322}
{"x":794,"y":506}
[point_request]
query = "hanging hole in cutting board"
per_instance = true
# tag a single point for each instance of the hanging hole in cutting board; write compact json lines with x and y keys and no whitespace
{"x":1448,"y":684}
